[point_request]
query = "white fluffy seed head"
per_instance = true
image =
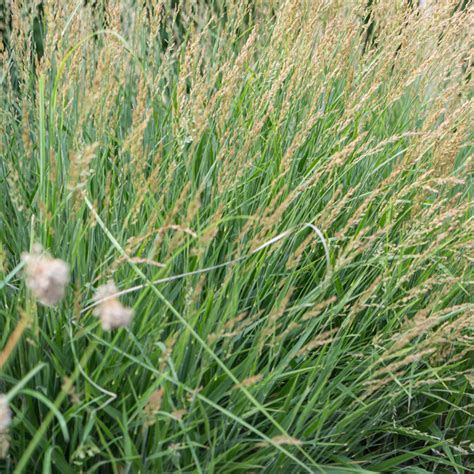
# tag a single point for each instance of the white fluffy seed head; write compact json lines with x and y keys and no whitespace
{"x":5,"y":414}
{"x":109,"y":309}
{"x":46,"y":277}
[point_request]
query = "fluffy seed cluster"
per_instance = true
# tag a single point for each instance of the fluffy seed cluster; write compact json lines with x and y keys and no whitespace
{"x":110,"y":310}
{"x":46,"y":276}
{"x":5,"y":414}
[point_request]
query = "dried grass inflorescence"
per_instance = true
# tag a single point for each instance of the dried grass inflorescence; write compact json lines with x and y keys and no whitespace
{"x":112,"y":313}
{"x":46,"y":276}
{"x":153,"y":406}
{"x":252,"y":380}
{"x":281,"y":441}
{"x":179,"y":414}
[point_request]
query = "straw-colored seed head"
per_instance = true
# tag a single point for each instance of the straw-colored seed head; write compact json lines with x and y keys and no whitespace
{"x":178,"y":414}
{"x":249,"y":381}
{"x":110,"y":310}
{"x":46,"y":277}
{"x":5,"y":414}
{"x":282,"y":440}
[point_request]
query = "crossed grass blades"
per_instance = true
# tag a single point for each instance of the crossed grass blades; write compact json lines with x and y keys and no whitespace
{"x":209,"y":158}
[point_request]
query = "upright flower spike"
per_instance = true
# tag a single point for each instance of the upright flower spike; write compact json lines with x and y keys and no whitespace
{"x":46,"y":276}
{"x":110,"y":310}
{"x":5,"y":414}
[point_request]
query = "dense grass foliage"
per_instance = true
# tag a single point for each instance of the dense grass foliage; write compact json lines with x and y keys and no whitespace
{"x":284,"y":205}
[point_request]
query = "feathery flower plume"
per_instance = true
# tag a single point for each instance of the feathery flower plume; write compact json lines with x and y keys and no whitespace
{"x":111,"y":312}
{"x":46,"y":276}
{"x":5,"y":414}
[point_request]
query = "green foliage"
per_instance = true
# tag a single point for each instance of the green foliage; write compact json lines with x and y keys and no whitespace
{"x":143,"y":146}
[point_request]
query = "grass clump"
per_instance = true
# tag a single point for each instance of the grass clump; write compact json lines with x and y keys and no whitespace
{"x":281,"y":204}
